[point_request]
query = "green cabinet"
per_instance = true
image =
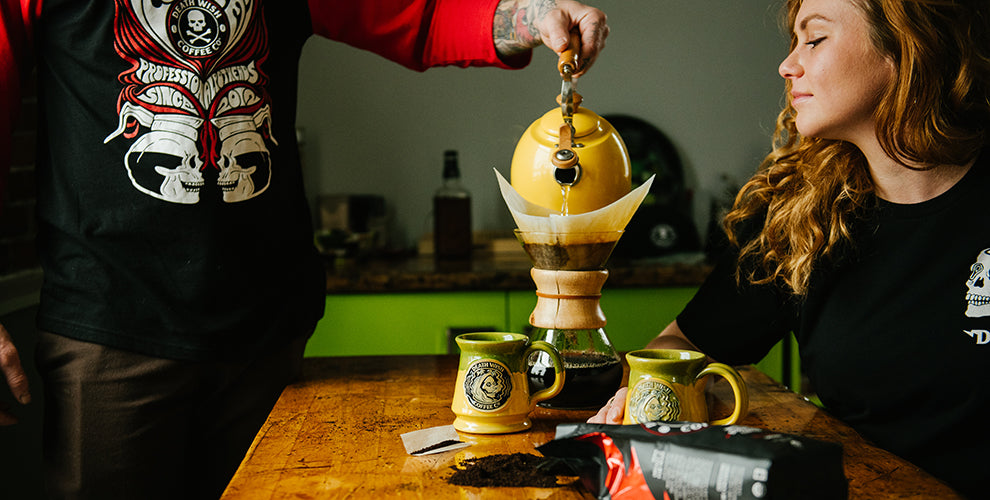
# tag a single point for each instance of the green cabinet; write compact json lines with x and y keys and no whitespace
{"x":418,"y":323}
{"x":401,"y":323}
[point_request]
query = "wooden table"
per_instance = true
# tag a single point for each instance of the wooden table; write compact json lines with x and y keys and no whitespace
{"x":335,"y":434}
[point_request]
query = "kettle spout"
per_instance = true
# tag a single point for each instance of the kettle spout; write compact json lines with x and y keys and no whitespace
{"x":567,"y":176}
{"x":567,"y":170}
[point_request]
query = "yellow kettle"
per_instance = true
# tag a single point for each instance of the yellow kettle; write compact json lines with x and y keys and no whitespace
{"x":601,"y":174}
{"x":571,"y":160}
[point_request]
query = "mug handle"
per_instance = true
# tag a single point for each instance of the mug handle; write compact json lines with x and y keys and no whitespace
{"x":558,"y":368}
{"x":738,"y":391}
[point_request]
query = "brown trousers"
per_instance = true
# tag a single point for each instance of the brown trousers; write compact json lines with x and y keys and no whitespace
{"x":120,"y":425}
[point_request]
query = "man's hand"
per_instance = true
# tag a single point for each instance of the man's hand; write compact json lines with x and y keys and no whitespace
{"x":13,"y":372}
{"x":521,"y":25}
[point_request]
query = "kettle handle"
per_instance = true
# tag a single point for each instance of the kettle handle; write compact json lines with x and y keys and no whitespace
{"x":569,"y":57}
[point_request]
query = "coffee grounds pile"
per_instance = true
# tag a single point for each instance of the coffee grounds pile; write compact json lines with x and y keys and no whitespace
{"x":513,"y":470}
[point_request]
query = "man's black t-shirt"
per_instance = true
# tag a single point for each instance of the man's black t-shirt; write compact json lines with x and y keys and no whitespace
{"x":173,"y":219}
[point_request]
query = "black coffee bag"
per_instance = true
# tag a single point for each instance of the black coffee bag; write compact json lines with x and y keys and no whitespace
{"x":688,"y":460}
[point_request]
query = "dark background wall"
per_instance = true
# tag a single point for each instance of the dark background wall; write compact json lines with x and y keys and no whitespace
{"x":20,"y":444}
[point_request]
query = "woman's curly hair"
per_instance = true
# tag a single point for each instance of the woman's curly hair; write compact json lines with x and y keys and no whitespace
{"x":809,"y":191}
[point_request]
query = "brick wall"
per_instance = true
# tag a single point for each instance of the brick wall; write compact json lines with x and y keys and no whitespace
{"x":17,"y":222}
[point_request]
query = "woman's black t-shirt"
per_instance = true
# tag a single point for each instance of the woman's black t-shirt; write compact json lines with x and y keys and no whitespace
{"x":895,"y":340}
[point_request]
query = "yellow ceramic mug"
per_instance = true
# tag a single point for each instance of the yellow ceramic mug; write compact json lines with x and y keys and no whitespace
{"x":491,"y":395}
{"x":669,"y":385}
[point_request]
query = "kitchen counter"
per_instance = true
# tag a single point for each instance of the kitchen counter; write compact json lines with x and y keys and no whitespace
{"x":495,"y":271}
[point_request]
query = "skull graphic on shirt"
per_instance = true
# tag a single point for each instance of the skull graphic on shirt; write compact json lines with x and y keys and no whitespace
{"x":194,"y":99}
{"x":978,"y":286}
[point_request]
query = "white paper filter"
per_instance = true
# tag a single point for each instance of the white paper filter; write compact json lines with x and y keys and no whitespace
{"x":531,"y":217}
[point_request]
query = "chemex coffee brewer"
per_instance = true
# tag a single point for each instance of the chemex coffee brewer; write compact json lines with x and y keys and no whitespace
{"x":570,"y":198}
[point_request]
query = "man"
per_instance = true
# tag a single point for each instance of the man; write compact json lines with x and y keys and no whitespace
{"x":180,"y":278}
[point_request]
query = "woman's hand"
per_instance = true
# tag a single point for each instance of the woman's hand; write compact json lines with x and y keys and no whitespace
{"x":613,"y":411}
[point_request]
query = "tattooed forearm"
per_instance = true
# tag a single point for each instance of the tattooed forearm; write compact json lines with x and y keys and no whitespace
{"x":514,"y":30}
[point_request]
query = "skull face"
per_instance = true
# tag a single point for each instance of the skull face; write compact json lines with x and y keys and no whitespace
{"x":164,"y":163}
{"x":242,"y":156}
{"x":245,"y":162}
{"x":196,"y":20}
{"x":183,"y":183}
{"x":978,"y":286}
{"x":166,"y":166}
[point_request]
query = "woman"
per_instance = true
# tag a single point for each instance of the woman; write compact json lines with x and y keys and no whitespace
{"x":863,"y":231}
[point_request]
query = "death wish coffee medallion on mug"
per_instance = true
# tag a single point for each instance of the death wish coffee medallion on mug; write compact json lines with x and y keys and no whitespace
{"x":487,"y":385}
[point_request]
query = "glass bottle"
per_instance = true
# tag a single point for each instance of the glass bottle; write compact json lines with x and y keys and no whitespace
{"x":451,"y":213}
